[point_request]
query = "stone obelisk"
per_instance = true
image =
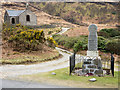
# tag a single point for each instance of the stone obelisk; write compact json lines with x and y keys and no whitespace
{"x":92,"y":41}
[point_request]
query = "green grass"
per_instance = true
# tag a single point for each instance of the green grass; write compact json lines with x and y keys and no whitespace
{"x":62,"y":78}
{"x":119,"y":80}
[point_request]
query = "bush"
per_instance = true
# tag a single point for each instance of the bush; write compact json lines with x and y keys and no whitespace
{"x":80,"y":45}
{"x":101,"y":43}
{"x":50,"y":32}
{"x":61,"y":40}
{"x":51,"y":42}
{"x":27,"y":40}
{"x":69,"y":43}
{"x":103,"y":34}
{"x":18,"y":25}
{"x":109,"y":32}
{"x":113,"y":46}
{"x":20,"y":38}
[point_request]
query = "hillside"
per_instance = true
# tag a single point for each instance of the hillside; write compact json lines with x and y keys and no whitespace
{"x":21,"y":45}
{"x":29,"y":48}
{"x":82,"y":13}
{"x":69,"y":14}
{"x":42,"y":17}
{"x":76,"y":16}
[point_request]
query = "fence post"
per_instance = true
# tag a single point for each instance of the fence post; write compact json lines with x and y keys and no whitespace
{"x":74,"y":58}
{"x":112,"y":64}
{"x":70,"y":65}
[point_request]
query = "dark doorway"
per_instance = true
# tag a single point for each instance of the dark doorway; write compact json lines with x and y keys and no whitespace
{"x":28,"y":18}
{"x":13,"y":20}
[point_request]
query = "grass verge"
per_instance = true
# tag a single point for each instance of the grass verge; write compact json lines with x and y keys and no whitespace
{"x":62,"y":78}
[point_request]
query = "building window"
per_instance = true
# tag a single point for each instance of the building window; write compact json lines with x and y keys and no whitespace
{"x":28,"y":18}
{"x":13,"y":21}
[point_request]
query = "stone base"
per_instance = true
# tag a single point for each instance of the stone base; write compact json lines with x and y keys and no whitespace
{"x":79,"y":72}
{"x":92,"y":65}
{"x":92,"y":53}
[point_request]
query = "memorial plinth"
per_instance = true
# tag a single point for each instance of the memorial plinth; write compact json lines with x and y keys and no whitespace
{"x":92,"y":63}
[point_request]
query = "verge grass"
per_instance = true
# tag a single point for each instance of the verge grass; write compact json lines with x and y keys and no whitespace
{"x":62,"y":78}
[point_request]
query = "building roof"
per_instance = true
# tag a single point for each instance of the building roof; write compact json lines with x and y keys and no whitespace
{"x":14,"y":12}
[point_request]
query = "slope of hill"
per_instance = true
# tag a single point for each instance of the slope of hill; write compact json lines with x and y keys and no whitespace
{"x":73,"y":15}
{"x":81,"y":13}
{"x":42,"y":17}
{"x":21,"y":45}
{"x":69,"y":14}
{"x":11,"y":54}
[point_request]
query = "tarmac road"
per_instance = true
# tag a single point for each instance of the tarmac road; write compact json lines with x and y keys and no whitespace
{"x":20,"y":84}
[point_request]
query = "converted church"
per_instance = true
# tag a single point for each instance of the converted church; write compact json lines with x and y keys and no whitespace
{"x":24,"y":17}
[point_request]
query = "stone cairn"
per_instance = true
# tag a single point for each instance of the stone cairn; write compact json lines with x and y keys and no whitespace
{"x":92,"y":63}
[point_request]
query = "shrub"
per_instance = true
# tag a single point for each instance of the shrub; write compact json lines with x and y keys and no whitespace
{"x":61,"y":40}
{"x":69,"y":43}
{"x":113,"y":46}
{"x":104,"y":34}
{"x":18,"y":25}
{"x":101,"y":43}
{"x":21,"y":38}
{"x":51,"y":42}
{"x":80,"y":45}
{"x":50,"y":32}
{"x":109,"y":32}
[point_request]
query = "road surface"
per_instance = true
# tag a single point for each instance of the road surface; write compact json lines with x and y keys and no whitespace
{"x":21,"y":84}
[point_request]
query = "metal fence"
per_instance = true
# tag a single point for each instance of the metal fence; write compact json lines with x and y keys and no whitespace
{"x":76,"y":62}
